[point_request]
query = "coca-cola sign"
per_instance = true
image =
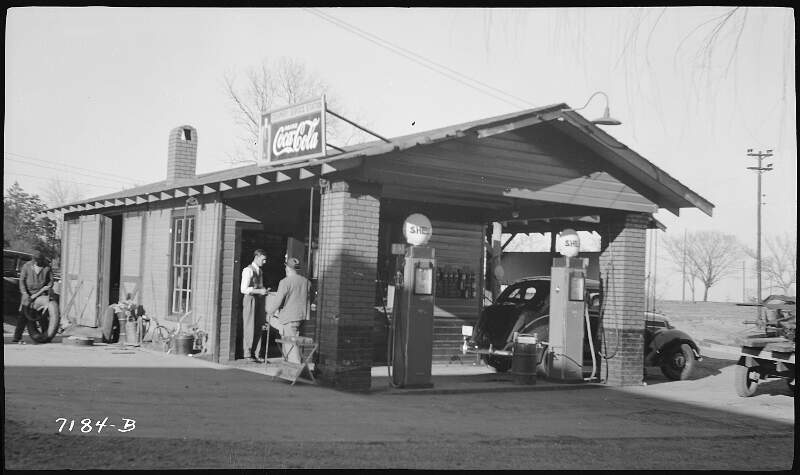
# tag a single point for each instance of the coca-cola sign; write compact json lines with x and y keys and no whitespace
{"x":293,"y":133}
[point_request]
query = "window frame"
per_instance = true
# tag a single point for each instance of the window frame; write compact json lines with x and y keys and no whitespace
{"x":178,"y":216}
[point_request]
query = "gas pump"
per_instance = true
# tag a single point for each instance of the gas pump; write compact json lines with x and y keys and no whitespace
{"x":412,"y":323}
{"x":564,"y":359}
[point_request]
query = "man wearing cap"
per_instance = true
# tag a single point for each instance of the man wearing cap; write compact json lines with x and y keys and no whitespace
{"x":292,"y":300}
{"x":35,"y":281}
{"x":253,"y":316}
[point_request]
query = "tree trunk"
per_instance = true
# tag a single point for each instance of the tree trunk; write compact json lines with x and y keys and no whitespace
{"x":705,"y":294}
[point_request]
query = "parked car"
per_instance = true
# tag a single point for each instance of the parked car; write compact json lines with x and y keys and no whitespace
{"x":524,"y":307}
{"x":12,"y":265}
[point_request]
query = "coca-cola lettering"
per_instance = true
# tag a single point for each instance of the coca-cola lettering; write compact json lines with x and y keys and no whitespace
{"x":296,"y":137}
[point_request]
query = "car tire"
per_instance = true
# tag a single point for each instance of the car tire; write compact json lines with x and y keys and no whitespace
{"x":499,"y":363}
{"x":678,"y":362}
{"x":47,"y":324}
{"x":743,"y":380}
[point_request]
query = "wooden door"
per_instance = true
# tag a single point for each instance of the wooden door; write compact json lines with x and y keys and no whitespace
{"x":87,"y":268}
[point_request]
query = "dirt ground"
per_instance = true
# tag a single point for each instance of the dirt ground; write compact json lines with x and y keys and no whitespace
{"x":193,"y":414}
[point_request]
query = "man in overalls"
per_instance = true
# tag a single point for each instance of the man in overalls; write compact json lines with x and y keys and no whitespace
{"x":253,"y":316}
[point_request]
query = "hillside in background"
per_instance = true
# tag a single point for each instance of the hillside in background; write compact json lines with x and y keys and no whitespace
{"x":718,"y":322}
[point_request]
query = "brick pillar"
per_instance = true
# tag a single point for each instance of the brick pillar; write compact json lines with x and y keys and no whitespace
{"x":348,"y":258}
{"x":622,"y":273}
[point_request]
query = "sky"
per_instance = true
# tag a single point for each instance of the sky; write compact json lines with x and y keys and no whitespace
{"x":91,"y":93}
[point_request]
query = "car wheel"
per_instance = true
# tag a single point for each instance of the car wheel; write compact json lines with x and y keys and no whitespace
{"x":50,"y":322}
{"x":47,"y":323}
{"x":745,"y":379}
{"x":677,"y":364}
{"x":500,"y":364}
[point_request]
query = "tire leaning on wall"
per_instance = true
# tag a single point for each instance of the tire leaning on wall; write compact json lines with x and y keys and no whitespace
{"x":48,"y":323}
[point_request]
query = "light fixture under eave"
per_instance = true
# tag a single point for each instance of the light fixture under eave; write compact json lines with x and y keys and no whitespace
{"x":606,"y":119}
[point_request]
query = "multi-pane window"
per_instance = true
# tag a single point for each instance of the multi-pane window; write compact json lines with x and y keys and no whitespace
{"x":182,"y":253}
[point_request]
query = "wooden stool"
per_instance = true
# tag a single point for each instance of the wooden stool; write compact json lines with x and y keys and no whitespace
{"x":291,"y":371}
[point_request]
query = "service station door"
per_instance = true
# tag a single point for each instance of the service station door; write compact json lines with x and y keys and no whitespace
{"x":86,"y":268}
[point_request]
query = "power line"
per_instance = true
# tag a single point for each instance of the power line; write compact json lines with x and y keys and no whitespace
{"x":421,"y":60}
{"x":54,"y":168}
{"x":108,"y":174}
{"x":68,"y":181}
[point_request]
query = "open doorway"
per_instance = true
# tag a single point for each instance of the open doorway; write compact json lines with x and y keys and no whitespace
{"x":251,"y":238}
{"x":115,"y":260}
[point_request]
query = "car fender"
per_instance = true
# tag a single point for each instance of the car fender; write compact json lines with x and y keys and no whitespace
{"x":663,"y":341}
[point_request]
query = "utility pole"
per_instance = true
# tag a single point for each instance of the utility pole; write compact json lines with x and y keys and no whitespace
{"x":744,"y":291}
{"x":683,"y":282}
{"x":760,"y":170}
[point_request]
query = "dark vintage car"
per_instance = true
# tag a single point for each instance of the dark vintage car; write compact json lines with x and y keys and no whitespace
{"x":524,"y":307}
{"x":12,"y":265}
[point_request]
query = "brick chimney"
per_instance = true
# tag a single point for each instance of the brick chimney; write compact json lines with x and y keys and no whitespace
{"x":182,"y":154}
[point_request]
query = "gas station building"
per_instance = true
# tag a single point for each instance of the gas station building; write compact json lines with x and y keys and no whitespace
{"x":182,"y":242}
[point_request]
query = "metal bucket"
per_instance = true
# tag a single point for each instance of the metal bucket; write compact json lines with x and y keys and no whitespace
{"x":524,"y":360}
{"x":183,"y":344}
{"x":132,"y":333}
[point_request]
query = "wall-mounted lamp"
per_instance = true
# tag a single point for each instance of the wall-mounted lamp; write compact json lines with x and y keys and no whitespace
{"x":606,"y":119}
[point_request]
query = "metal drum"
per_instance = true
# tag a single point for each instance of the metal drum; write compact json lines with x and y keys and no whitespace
{"x":524,"y":360}
{"x":183,"y":344}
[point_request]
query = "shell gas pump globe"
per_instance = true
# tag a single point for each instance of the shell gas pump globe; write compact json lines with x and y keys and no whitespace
{"x":417,"y":229}
{"x":569,"y":244}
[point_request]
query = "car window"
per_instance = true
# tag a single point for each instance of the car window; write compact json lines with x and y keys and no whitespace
{"x":513,"y":294}
{"x":529,"y":293}
{"x":523,"y":292}
{"x":9,"y":265}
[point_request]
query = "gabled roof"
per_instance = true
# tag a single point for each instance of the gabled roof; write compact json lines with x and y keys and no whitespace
{"x":669,"y":192}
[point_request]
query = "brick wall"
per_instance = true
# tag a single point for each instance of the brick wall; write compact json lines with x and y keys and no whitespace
{"x":622,"y":272}
{"x":348,"y":261}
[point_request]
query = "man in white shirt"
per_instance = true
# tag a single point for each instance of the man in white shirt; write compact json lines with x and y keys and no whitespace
{"x":253,"y":316}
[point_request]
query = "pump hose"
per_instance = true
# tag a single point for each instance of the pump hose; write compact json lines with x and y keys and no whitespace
{"x":390,"y":343}
{"x":591,"y":344}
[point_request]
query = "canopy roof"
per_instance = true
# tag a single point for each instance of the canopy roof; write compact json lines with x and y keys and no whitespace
{"x":640,"y":176}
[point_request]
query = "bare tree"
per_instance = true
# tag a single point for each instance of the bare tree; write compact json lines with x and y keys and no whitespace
{"x":678,"y":255}
{"x":709,"y":257}
{"x":779,"y":264}
{"x":269,"y":86}
{"x":60,"y":193}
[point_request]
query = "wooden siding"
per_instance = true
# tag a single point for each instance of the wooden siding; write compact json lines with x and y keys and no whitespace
{"x":155,"y":272}
{"x":509,"y":165}
{"x":156,"y":245}
{"x":131,"y":256}
{"x":458,"y":246}
{"x":205,"y":267}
